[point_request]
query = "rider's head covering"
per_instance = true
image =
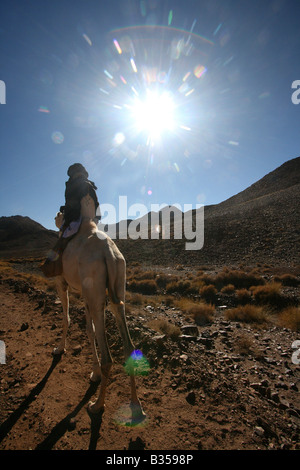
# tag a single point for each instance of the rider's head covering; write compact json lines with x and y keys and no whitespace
{"x":77,"y":169}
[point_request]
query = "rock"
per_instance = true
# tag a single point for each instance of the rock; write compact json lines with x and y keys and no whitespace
{"x":77,"y":350}
{"x":265,"y":383}
{"x":24,"y":327}
{"x":283,"y":404}
{"x":207,"y":342}
{"x":293,"y":412}
{"x":159,"y":339}
{"x":259,"y":388}
{"x":259,"y":431}
{"x":149,"y":308}
{"x":184,"y":357}
{"x":188,"y":337}
{"x":191,"y":330}
{"x":191,"y":398}
{"x":274,"y":396}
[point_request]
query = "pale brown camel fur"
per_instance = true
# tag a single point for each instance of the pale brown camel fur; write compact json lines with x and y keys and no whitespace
{"x":93,"y":266}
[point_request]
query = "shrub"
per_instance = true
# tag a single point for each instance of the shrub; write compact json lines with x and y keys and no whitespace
{"x":169,"y":301}
{"x":165,"y":327}
{"x":181,"y":287}
{"x":162,"y":280}
{"x":136,"y":299}
{"x":147,"y":286}
{"x":243,"y":296}
{"x":209,"y":293}
{"x":147,"y":275}
{"x":237,"y":278}
{"x":247,"y":313}
{"x":243,"y":345}
{"x":290,"y":318}
{"x":267,"y":294}
{"x":202,"y":313}
{"x":287,"y":280}
{"x":229,"y":289}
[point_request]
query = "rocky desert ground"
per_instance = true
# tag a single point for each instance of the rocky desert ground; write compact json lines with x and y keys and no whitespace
{"x":210,"y":380}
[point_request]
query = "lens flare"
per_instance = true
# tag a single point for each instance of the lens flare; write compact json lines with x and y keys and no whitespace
{"x":199,"y":70}
{"x":57,"y":137}
{"x":123,"y":417}
{"x":137,"y":364}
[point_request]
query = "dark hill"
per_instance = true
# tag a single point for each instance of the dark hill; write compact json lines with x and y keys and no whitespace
{"x":259,"y":224}
{"x":22,"y":236}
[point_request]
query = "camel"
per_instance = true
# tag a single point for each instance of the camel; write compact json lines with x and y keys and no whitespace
{"x":94,"y":266}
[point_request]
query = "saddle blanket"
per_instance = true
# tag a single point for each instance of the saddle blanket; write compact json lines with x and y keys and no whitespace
{"x":72,"y":228}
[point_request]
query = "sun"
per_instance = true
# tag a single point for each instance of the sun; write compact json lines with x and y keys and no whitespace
{"x":154,"y":114}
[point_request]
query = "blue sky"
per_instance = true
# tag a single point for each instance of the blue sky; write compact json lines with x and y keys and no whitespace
{"x":73,"y":69}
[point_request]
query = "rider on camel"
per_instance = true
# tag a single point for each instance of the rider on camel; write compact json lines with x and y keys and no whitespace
{"x":68,"y":220}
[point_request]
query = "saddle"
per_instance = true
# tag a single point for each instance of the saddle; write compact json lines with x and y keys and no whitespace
{"x":52,"y":266}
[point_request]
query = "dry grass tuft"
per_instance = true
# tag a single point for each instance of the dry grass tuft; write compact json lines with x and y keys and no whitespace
{"x":228,"y":289}
{"x":287,"y":280}
{"x":146,"y":286}
{"x":267,"y":294}
{"x":209,"y":293}
{"x":290,"y":318}
{"x":202,"y":313}
{"x":244,"y":345}
{"x":134,"y":298}
{"x":247,"y":314}
{"x":243,"y":296}
{"x":165,"y":327}
{"x":238,"y":278}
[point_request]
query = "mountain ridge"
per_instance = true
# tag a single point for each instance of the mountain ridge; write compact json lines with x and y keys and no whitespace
{"x":259,"y":223}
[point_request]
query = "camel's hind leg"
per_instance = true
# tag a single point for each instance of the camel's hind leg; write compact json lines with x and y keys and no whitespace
{"x":119,"y":312}
{"x":96,"y":373}
{"x":98,"y":318}
{"x":62,"y":290}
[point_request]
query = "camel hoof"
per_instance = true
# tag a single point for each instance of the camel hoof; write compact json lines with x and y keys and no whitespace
{"x":95,"y":410}
{"x":95,"y":378}
{"x":138,"y":414}
{"x":58,"y":351}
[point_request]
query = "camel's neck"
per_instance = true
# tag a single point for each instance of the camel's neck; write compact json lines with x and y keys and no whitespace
{"x":88,"y":226}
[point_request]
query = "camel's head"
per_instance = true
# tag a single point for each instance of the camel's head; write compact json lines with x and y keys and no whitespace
{"x":59,"y":219}
{"x":76,"y":170}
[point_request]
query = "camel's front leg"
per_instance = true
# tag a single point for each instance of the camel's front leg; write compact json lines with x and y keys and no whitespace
{"x":62,"y":290}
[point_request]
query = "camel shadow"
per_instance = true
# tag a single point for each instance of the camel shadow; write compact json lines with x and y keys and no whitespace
{"x":8,"y":424}
{"x":68,"y":423}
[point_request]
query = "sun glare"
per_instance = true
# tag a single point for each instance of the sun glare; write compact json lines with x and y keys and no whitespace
{"x":154,"y":114}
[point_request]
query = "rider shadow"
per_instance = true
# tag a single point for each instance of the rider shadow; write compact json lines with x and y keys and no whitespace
{"x":7,"y":425}
{"x":68,"y":424}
